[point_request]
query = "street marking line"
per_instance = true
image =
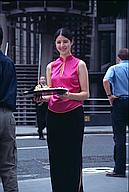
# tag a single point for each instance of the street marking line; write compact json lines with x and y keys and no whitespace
{"x":28,"y":148}
{"x":27,"y":176}
{"x":97,"y":170}
{"x":27,"y":137}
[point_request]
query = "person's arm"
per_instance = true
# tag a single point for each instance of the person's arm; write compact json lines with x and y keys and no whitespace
{"x":48,"y":74}
{"x":107,"y":88}
{"x":84,"y":84}
{"x":48,"y":78}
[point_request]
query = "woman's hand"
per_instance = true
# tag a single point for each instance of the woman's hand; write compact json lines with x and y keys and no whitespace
{"x":64,"y":96}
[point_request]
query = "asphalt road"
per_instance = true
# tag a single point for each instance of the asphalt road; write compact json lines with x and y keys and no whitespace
{"x":33,"y":155}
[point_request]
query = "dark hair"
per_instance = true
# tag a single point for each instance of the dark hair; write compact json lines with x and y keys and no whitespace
{"x":123,"y":54}
{"x":65,"y":32}
{"x":1,"y":35}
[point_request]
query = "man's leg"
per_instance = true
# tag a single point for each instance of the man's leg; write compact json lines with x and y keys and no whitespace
{"x":119,"y":130}
{"x":8,"y":153}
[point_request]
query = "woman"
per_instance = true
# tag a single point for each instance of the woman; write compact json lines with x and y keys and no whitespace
{"x":65,"y":121}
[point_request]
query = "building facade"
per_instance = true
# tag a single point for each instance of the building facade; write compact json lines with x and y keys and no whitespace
{"x":100,"y":29}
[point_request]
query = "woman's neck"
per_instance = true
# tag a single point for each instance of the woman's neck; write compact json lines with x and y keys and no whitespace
{"x":64,"y":57}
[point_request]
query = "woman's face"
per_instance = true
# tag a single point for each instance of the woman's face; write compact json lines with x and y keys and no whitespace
{"x":63,"y":45}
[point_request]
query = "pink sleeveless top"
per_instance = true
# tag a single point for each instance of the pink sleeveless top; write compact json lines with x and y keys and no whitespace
{"x":67,"y":79}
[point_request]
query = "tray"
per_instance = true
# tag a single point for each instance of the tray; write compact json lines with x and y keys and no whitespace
{"x":44,"y":91}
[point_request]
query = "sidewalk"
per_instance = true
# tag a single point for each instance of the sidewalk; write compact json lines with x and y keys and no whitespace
{"x":93,"y":182}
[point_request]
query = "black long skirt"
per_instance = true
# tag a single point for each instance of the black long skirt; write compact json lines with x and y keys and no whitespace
{"x":65,"y":137}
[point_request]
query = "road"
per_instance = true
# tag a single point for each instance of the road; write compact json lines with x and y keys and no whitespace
{"x":33,"y":165}
{"x":33,"y":155}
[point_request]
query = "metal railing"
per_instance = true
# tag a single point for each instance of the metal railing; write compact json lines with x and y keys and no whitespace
{"x":97,"y":111}
{"x":96,"y":105}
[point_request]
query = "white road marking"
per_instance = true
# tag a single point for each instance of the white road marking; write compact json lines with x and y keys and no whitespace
{"x":26,"y":137}
{"x":89,"y":170}
{"x":85,"y":135}
{"x":28,"y":148}
{"x":28,"y":176}
{"x":96,"y":170}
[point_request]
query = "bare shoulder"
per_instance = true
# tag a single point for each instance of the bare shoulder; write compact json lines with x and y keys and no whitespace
{"x":48,"y":73}
{"x":49,"y":65}
{"x":82,"y":64}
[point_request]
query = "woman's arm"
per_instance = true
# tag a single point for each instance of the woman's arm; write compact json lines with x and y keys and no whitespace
{"x":48,"y":74}
{"x":84,"y":80}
